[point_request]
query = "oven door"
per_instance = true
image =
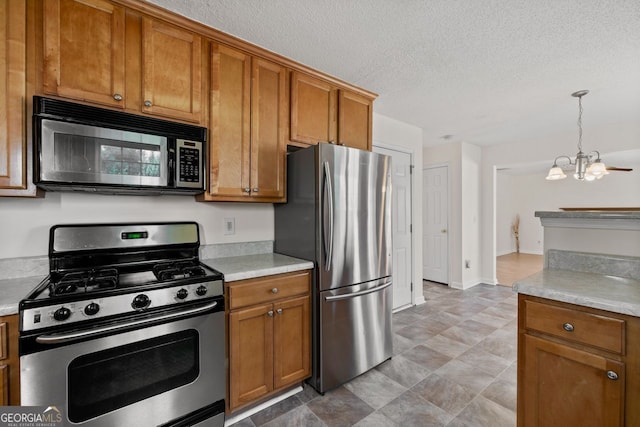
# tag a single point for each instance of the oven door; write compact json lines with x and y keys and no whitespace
{"x":165,"y":373}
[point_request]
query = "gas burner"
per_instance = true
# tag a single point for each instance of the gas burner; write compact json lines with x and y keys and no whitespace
{"x":85,"y":281}
{"x":177,"y":270}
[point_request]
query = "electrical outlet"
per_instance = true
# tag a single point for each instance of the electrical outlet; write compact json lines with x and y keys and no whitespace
{"x":229,"y":226}
{"x":467,"y":263}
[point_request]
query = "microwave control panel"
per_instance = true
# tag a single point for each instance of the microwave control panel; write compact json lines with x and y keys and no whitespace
{"x":189,"y":162}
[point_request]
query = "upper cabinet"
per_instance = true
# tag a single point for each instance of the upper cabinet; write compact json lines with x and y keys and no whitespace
{"x":84,"y":51}
{"x":95,"y":51}
{"x":14,"y":151}
{"x":248,"y":127}
{"x":322,"y":112}
{"x":171,"y":80}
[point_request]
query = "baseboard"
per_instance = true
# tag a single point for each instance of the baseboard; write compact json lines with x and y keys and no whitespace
{"x":533,"y":252}
{"x":488,"y":281}
{"x":420,"y":300}
{"x":501,"y":253}
{"x":465,"y":286}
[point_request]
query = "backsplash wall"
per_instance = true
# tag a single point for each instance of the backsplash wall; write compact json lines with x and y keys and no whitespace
{"x":25,"y":223}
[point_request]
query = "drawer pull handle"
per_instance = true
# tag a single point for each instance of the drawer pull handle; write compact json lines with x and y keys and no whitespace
{"x":274,"y":290}
{"x":612,"y":375}
{"x":568,"y":327}
{"x":279,"y":311}
{"x":270,"y":313}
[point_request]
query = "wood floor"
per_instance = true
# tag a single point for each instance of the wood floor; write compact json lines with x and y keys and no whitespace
{"x":514,"y":266}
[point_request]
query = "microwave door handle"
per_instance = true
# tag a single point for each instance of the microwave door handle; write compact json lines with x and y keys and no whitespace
{"x":72,"y":336}
{"x":359,"y":293}
{"x":328,"y":204}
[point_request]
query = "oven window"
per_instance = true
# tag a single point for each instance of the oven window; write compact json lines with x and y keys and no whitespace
{"x":104,"y":381}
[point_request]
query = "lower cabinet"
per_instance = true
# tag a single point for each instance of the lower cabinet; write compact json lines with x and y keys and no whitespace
{"x":576,"y":366}
{"x":9,"y":362}
{"x":269,"y":336}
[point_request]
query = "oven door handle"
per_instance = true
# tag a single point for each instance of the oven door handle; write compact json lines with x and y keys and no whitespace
{"x":72,"y":336}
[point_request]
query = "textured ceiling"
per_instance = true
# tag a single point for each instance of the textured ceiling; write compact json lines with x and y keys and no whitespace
{"x":484,"y":72}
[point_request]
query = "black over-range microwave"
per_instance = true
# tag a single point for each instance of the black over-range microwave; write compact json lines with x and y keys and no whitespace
{"x":84,"y":148}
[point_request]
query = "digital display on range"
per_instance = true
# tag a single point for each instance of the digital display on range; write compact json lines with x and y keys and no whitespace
{"x":129,"y":235}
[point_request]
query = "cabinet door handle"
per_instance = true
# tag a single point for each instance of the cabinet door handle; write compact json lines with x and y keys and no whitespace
{"x":612,"y":375}
{"x":117,"y":97}
{"x":255,"y":190}
{"x":568,"y":327}
{"x":247,"y":190}
{"x":279,"y":311}
{"x":274,"y":290}
{"x":147,"y":103}
{"x":270,"y":313}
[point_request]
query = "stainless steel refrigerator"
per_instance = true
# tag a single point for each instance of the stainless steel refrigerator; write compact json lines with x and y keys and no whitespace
{"x":338,"y":214}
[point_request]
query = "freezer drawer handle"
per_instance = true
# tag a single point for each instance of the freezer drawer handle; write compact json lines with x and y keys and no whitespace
{"x":329,"y":204}
{"x":360,"y":293}
{"x":60,"y":338}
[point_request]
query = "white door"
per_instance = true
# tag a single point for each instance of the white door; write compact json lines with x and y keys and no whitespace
{"x":401,"y":225}
{"x":435,"y":241}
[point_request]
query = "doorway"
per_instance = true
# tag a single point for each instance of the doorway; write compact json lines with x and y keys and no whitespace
{"x":435,"y":228}
{"x":401,"y":225}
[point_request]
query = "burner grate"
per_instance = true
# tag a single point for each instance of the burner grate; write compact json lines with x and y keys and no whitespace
{"x":85,"y":281}
{"x":177,"y":270}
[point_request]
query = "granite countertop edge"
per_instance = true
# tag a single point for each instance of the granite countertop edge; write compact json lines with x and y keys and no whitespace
{"x":611,"y":293}
{"x":12,"y":291}
{"x":251,"y":266}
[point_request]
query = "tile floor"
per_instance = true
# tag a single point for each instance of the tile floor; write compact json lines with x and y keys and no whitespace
{"x":454,"y":364}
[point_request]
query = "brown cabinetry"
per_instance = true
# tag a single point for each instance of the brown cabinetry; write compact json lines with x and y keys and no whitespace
{"x":269,"y":335}
{"x":576,"y":365}
{"x":248,"y":127}
{"x":322,"y":112}
{"x":9,"y":369}
{"x":14,"y":151}
{"x":85,"y":46}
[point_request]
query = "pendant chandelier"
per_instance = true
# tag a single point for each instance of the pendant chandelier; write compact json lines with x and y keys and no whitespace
{"x":587,"y":166}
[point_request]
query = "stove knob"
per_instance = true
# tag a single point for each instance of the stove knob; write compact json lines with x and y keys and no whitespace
{"x":140,"y":302}
{"x":201,"y":291}
{"x":92,"y":309}
{"x":63,"y":313}
{"x":182,"y":293}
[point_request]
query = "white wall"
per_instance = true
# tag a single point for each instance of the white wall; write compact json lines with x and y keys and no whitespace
{"x":25,"y":223}
{"x":393,"y":134}
{"x":526,"y":194}
{"x":607,"y":139}
{"x":505,"y":213}
{"x":470,"y":215}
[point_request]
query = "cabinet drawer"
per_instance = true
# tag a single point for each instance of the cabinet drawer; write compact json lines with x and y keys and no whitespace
{"x":267,"y":289}
{"x":594,"y":330}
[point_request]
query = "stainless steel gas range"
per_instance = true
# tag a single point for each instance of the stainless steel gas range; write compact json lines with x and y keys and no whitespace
{"x":127,"y":329}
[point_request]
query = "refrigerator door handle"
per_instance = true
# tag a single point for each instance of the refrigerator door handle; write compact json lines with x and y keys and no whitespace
{"x":328,"y":204}
{"x":359,"y":293}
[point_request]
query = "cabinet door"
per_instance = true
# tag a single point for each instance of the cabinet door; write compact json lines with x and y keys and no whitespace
{"x":84,"y":50}
{"x":250,"y":354}
{"x":171,"y":77}
{"x":313,"y":110}
{"x":354,"y":120}
{"x":291,"y":341}
{"x":13,"y":149}
{"x":268,"y":129}
{"x":229,"y":147}
{"x":564,"y":386}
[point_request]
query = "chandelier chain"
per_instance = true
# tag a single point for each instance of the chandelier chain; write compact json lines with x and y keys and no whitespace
{"x":580,"y":123}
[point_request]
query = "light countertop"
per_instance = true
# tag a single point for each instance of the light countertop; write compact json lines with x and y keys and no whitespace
{"x":594,"y":214}
{"x":611,"y":293}
{"x":14,"y":290}
{"x":250,"y":266}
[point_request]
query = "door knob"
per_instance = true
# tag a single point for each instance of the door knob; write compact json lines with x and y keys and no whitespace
{"x":443,"y":231}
